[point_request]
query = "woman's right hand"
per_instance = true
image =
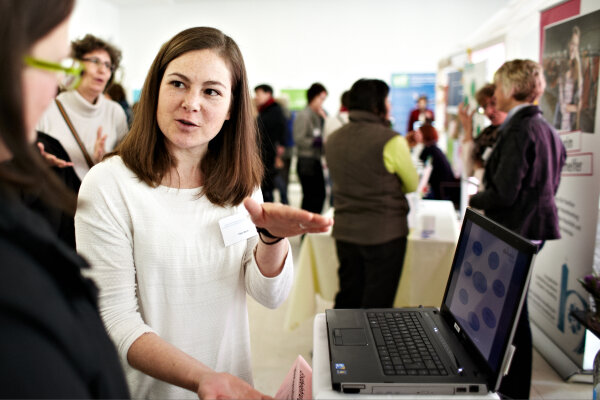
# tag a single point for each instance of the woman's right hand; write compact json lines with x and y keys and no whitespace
{"x":466,"y":119}
{"x":51,"y":159}
{"x":221,"y":385}
{"x":99,"y":149}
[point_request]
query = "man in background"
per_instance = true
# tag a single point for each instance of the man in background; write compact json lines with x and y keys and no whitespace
{"x":272,"y":127}
{"x":421,"y":114}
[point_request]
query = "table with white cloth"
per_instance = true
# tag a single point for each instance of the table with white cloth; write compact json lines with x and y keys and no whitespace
{"x":424,"y":273}
{"x":321,"y":377}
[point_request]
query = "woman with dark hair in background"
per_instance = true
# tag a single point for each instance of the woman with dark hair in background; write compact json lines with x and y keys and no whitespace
{"x":443,"y":185}
{"x":52,"y":341}
{"x":164,"y":222}
{"x":520,"y":181}
{"x":371,"y":170}
{"x":85,"y":122}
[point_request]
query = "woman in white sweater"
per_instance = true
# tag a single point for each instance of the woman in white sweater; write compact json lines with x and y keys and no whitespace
{"x":99,"y":122}
{"x":171,"y":246}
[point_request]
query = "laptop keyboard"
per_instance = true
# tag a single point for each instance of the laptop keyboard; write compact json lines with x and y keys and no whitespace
{"x":403,"y":345}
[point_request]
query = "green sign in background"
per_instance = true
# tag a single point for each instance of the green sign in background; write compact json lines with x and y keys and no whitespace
{"x":296,"y":98}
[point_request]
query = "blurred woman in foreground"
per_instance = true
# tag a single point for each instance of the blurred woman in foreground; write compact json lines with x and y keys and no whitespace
{"x":52,"y":341}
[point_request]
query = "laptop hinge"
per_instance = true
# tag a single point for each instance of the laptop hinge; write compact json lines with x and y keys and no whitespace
{"x":511,"y":352}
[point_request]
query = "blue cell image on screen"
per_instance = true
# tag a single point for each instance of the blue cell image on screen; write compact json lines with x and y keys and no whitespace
{"x":473,"y":321}
{"x":499,"y":288}
{"x":493,"y":260}
{"x":477,"y":248}
{"x":468,"y":268}
{"x":488,"y":317}
{"x":480,"y":282}
{"x":482,"y":293}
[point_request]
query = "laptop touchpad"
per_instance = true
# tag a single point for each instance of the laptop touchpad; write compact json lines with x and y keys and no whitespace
{"x":350,"y":337}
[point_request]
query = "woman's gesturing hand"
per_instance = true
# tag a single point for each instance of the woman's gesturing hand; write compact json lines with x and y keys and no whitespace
{"x":285,"y":221}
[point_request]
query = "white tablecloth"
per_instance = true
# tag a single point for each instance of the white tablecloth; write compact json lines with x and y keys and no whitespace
{"x":321,"y":378}
{"x":424,"y":273}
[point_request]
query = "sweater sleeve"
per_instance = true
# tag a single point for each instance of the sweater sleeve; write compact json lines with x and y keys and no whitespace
{"x":397,"y":160}
{"x":503,"y":187}
{"x":105,"y":238}
{"x":270,"y":292}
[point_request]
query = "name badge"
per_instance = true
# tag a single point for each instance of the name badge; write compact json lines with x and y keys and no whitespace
{"x":236,"y":228}
{"x":487,"y":153}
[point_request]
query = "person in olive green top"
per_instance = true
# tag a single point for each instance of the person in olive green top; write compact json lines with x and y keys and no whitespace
{"x":371,"y":170}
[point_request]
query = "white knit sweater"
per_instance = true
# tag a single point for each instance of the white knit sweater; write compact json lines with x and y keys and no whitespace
{"x":86,"y":118}
{"x":158,"y":256}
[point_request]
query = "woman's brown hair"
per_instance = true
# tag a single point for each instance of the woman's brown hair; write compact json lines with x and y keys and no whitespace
{"x":232,"y":168}
{"x":429,"y":133}
{"x":22,"y":24}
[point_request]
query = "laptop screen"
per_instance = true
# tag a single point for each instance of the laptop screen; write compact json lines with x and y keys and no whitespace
{"x":490,"y":269}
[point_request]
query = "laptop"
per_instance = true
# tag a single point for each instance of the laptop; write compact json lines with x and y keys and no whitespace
{"x":465,"y":347}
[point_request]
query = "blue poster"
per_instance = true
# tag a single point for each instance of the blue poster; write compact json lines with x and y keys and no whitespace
{"x":405,"y":91}
{"x":455,"y":91}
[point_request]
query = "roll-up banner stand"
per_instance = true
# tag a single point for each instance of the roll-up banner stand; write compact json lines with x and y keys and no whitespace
{"x":570,"y":55}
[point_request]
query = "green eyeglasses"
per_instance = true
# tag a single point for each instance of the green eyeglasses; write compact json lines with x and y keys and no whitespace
{"x":68,"y":71}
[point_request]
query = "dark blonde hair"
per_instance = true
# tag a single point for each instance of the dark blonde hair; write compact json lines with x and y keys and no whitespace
{"x":523,"y":80}
{"x":232,"y":168}
{"x":22,"y":24}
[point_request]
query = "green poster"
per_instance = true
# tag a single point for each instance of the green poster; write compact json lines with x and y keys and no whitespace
{"x":296,"y":98}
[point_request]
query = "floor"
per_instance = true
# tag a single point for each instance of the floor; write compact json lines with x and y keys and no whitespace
{"x":274,"y":349}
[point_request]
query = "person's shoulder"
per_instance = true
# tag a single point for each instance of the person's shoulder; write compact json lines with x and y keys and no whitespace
{"x":304,"y":113}
{"x":68,"y":99}
{"x":397,"y":140}
{"x":48,"y":116}
{"x":341,"y":132}
{"x":111,"y":170}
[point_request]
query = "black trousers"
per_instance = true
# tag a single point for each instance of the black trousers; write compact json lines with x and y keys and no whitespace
{"x":369,"y":275}
{"x":310,"y":172}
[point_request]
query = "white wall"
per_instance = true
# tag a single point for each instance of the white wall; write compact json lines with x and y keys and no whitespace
{"x":292,"y":43}
{"x":518,"y":25}
{"x":97,"y":17}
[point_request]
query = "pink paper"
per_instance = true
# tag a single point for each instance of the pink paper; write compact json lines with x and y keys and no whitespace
{"x":297,"y":384}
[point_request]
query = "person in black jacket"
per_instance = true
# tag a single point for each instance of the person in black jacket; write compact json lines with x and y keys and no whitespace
{"x":443,"y":185}
{"x":272,"y":126}
{"x":520,"y":181}
{"x":56,"y":156}
{"x":52,"y":340}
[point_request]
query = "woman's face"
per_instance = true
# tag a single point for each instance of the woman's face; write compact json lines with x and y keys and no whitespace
{"x":97,"y":72}
{"x":492,"y":112}
{"x":40,"y":86}
{"x":503,"y":102}
{"x":193,"y":101}
{"x":318,"y":100}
